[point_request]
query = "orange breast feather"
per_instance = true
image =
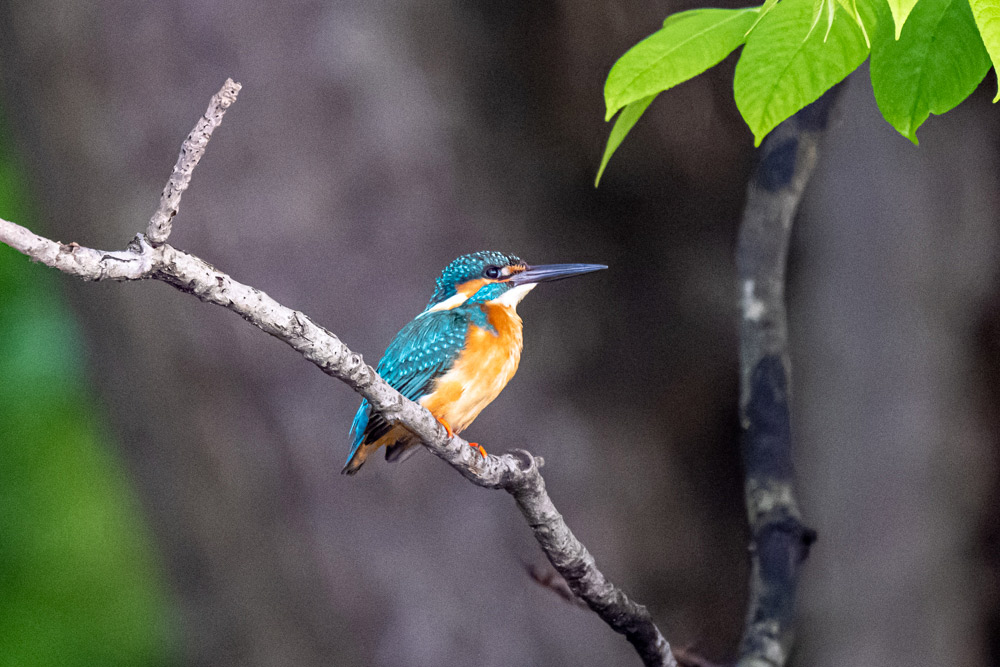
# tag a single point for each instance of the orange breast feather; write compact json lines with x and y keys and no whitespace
{"x":481,"y":372}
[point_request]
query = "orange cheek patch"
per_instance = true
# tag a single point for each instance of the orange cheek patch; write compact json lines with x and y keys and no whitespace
{"x":470,"y":287}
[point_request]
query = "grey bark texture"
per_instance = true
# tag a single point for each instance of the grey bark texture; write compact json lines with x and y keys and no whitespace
{"x":192,"y":149}
{"x":779,"y":541}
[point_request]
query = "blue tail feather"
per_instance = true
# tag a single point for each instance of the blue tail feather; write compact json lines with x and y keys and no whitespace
{"x":358,"y":428}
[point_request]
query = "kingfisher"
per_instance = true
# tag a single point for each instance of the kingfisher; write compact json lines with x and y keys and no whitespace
{"x":456,"y":356}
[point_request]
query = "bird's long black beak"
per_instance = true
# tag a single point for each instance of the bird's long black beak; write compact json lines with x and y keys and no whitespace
{"x":549,"y":272}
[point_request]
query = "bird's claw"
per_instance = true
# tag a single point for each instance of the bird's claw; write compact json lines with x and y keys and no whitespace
{"x":451,"y":434}
{"x":447,"y":427}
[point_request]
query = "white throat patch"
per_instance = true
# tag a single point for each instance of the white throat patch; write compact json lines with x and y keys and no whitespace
{"x":510,"y":298}
{"x":449,"y":303}
{"x":513,"y":296}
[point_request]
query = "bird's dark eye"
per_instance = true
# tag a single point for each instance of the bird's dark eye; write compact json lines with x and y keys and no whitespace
{"x":492,"y":272}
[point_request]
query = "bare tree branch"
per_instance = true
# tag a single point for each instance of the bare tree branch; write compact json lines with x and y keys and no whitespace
{"x":516,"y":472}
{"x":191,"y":151}
{"x":779,"y":540}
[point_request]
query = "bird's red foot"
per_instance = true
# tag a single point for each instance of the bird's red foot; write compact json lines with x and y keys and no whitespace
{"x":451,"y":434}
{"x":447,"y":427}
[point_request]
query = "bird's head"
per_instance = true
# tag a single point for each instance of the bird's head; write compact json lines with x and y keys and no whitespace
{"x":495,"y":277}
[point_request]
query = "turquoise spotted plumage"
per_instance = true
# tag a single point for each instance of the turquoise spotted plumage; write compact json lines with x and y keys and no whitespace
{"x":423,"y":350}
{"x":457,"y":354}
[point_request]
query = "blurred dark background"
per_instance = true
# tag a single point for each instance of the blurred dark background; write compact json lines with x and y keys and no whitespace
{"x":168,"y":475}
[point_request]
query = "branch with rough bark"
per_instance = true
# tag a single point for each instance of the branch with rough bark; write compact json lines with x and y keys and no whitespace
{"x":779,"y":540}
{"x":148,"y":256}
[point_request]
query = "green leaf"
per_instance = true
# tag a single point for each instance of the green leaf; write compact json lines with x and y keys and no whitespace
{"x":687,"y":45}
{"x":781,"y":71}
{"x":821,"y":8}
{"x":936,"y":63}
{"x":900,"y":11}
{"x":625,"y":121}
{"x":987,"y":14}
{"x":851,"y":7}
{"x":761,"y":13}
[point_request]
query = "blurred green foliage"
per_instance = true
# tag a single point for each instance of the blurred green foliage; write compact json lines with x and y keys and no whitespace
{"x":78,"y":580}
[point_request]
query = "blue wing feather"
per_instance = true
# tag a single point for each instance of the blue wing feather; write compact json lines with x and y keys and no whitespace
{"x":422,"y":351}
